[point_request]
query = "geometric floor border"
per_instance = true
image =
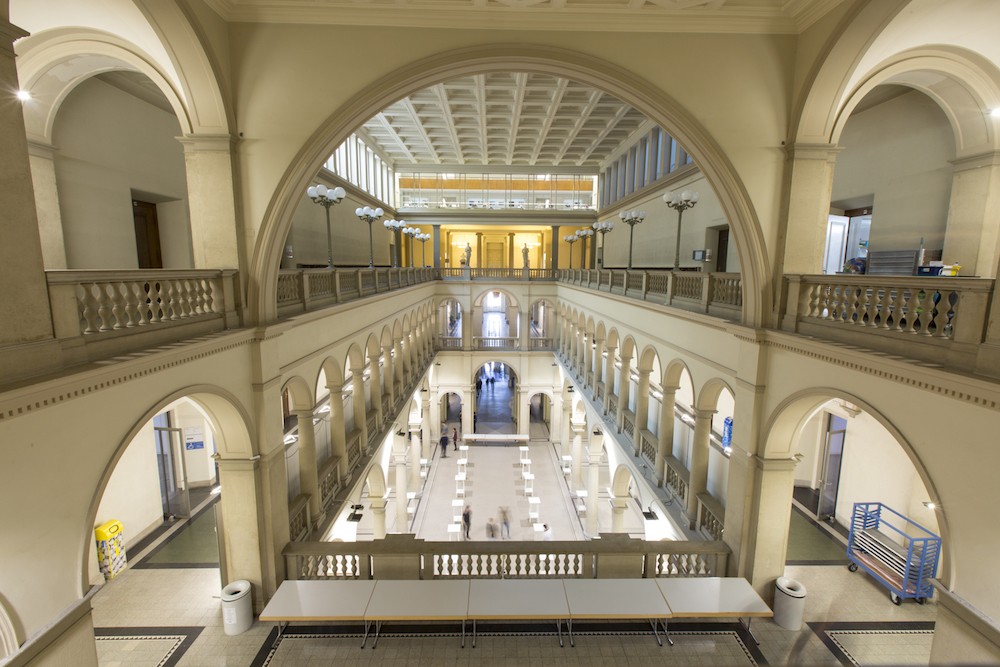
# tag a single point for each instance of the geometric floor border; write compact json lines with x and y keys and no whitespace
{"x":829,"y":633}
{"x":182,"y":637}
{"x":678,"y":632}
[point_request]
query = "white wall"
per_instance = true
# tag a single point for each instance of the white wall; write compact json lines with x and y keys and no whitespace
{"x":109,"y":144}
{"x":132,"y":495}
{"x":195,"y":428}
{"x":898,"y":151}
{"x":718,"y":474}
{"x":808,"y":469}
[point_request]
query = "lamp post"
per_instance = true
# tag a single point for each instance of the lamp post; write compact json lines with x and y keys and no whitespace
{"x":369,"y":215}
{"x":631,"y":218}
{"x":395,"y":226}
{"x":602,"y":228}
{"x":680,"y":202}
{"x":570,"y":239}
{"x":423,"y":238}
{"x":327,"y":197}
{"x":411,"y":233}
{"x":583,"y":235}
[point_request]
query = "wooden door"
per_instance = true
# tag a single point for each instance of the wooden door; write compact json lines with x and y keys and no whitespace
{"x":722,"y":251}
{"x":147,"y":235}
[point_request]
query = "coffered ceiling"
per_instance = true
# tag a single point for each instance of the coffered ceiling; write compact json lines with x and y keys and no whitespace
{"x":504,"y":119}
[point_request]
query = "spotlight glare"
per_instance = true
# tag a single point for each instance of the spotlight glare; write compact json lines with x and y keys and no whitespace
{"x":23,"y":95}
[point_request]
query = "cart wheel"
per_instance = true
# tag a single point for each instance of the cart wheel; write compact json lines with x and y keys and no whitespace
{"x":853,"y":567}
{"x":896,"y":600}
{"x":921,"y":600}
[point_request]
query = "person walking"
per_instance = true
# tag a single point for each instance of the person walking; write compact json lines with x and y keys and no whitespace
{"x":467,"y":520}
{"x":491,"y":529}
{"x":504,"y":522}
{"x":547,"y":533}
{"x":454,"y":438}
{"x":444,"y":445}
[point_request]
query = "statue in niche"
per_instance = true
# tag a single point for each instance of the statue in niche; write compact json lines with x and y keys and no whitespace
{"x":468,"y":254}
{"x":524,"y":253}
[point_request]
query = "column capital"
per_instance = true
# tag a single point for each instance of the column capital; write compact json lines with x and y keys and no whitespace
{"x":813,"y":151}
{"x":303,"y":414}
{"x":207,"y":143}
{"x":335,"y":388}
{"x":704,"y":414}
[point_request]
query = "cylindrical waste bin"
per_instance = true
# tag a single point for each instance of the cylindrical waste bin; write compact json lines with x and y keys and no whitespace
{"x":237,"y":607}
{"x":789,"y":603}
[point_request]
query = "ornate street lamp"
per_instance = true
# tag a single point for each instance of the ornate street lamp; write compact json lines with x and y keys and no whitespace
{"x":369,"y":215}
{"x":631,"y":218}
{"x":411,"y":233}
{"x":602,"y":228}
{"x":570,"y":239}
{"x":423,"y":238}
{"x":327,"y":197}
{"x":395,"y":226}
{"x":583,"y":235}
{"x":680,"y":202}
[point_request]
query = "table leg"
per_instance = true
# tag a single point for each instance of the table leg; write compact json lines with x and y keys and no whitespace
{"x":656,"y":635}
{"x":473,"y":633}
{"x":463,"y":633}
{"x":666,"y":633}
{"x":364,"y":639}
{"x":559,"y":631}
{"x":749,"y":631}
{"x":277,"y":639}
{"x":378,"y":631}
{"x":569,"y":627}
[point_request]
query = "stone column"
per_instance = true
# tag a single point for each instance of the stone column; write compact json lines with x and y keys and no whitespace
{"x":698,"y":482}
{"x":468,"y":408}
{"x":24,"y":310}
{"x":641,"y":409}
{"x":625,"y":385}
{"x":772,"y":482}
{"x":665,"y":434}
{"x":598,"y":362}
{"x":554,"y":252}
{"x":805,"y":221}
{"x":479,"y":250}
{"x":414,"y":455}
{"x":510,"y":250}
{"x":436,"y":231}
{"x":618,"y":507}
{"x":426,"y":419}
{"x":242,"y":510}
{"x":378,"y":517}
{"x":467,"y":327}
{"x":609,"y":378}
{"x":524,"y":332}
{"x":215,"y":234}
{"x":389,"y":386}
{"x":360,"y":411}
{"x":308,"y":470}
{"x":971,"y":233}
{"x":578,"y":430}
{"x":375,"y":385}
{"x":43,"y":175}
{"x":594,"y":452}
{"x":399,"y":460}
{"x":338,"y":441}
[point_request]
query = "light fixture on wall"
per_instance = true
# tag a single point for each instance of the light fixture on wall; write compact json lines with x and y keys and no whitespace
{"x":24,"y":95}
{"x":851,"y":409}
{"x":631,"y":218}
{"x":931,"y":505}
{"x":355,"y":514}
{"x":369,"y":215}
{"x":680,"y":202}
{"x":327,"y":197}
{"x":395,"y":226}
{"x":570,"y":239}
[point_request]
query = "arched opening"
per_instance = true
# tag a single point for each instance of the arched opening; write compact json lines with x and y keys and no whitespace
{"x":496,"y":398}
{"x":542,"y":319}
{"x":496,"y":323}
{"x":539,"y":416}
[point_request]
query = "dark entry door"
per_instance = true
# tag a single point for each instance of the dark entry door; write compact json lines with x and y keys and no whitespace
{"x":722,"y":253}
{"x":147,"y":235}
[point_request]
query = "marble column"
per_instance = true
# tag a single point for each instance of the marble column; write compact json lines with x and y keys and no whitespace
{"x":338,"y":440}
{"x":378,"y":517}
{"x":43,"y":175}
{"x":805,"y":221}
{"x":665,"y":433}
{"x":618,"y":507}
{"x":594,"y":455}
{"x":698,"y":470}
{"x":308,"y":469}
{"x":215,"y":233}
{"x":624,"y":386}
{"x":399,"y":462}
{"x":641,"y":409}
{"x":436,"y":231}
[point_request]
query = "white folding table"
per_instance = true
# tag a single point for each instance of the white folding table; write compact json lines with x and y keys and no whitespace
{"x":516,"y":600}
{"x":311,"y":600}
{"x":616,"y":598}
{"x":423,"y":600}
{"x":701,"y":597}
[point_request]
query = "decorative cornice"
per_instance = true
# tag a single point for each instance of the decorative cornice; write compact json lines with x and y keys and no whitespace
{"x":18,"y":402}
{"x":804,"y":151}
{"x":989,"y":159}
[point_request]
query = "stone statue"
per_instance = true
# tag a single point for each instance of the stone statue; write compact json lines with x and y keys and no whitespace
{"x":524,"y":253}
{"x":468,"y":255}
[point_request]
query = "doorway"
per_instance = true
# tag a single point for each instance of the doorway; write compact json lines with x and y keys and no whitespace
{"x":836,"y":244}
{"x":722,"y":251}
{"x":833,"y":455}
{"x":171,"y":468}
{"x":147,"y":235}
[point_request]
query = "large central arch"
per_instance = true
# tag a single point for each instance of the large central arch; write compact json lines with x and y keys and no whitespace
{"x":629,"y":88}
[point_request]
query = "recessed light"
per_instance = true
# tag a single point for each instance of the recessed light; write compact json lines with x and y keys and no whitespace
{"x":23,"y":95}
{"x":929,"y":505}
{"x":995,"y":112}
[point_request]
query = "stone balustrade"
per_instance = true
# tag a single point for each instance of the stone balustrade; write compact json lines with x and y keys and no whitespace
{"x":677,"y":478}
{"x":942,"y":320}
{"x":299,"y":520}
{"x":628,"y":424}
{"x":718,"y":294}
{"x":404,"y":556}
{"x":711,"y":516}
{"x":496,"y":343}
{"x":487,"y":273}
{"x":546,"y":344}
{"x":329,"y":481}
{"x":303,"y":290}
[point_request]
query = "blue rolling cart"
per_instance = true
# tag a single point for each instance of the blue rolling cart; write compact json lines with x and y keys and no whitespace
{"x":899,"y":553}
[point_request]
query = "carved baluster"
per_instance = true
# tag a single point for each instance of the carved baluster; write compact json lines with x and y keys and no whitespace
{"x":116,"y":297}
{"x":87,"y":305}
{"x":104,"y":313}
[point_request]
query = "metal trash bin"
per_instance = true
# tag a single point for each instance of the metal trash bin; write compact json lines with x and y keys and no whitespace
{"x":237,"y":607}
{"x":789,"y":603}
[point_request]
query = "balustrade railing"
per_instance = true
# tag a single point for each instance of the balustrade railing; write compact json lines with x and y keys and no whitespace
{"x":542,"y":343}
{"x":711,"y":516}
{"x":496,"y":343}
{"x":354,"y":448}
{"x":599,"y":391}
{"x":613,"y":404}
{"x":308,"y":289}
{"x":718,"y":294}
{"x":98,"y":306}
{"x":299,"y":521}
{"x":677,"y":478}
{"x":928,"y":318}
{"x":628,"y":424}
{"x":402,"y":556}
{"x":488,"y":273}
{"x":648,"y":446}
{"x":329,"y":481}
{"x":448,"y":342}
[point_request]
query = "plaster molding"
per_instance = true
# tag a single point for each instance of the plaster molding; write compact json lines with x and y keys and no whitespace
{"x":970,"y":162}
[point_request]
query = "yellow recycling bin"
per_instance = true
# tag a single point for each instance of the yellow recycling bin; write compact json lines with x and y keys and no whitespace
{"x":110,"y":548}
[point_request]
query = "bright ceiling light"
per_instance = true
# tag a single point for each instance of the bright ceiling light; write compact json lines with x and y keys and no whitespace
{"x":994,"y":113}
{"x":23,"y":95}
